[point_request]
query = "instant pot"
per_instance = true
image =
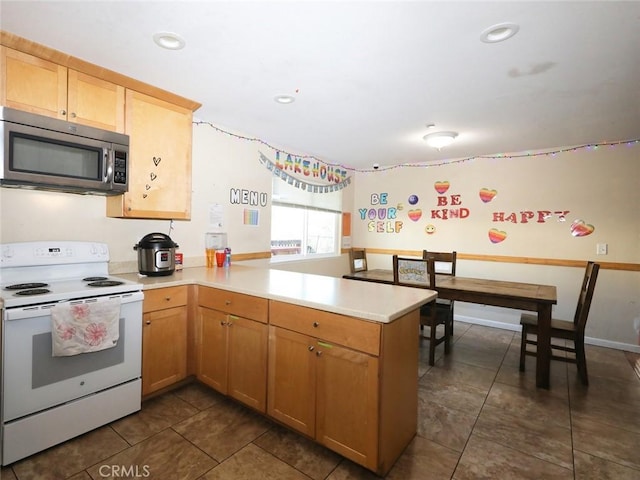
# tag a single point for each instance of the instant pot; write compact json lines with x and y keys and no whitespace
{"x":156,"y":255}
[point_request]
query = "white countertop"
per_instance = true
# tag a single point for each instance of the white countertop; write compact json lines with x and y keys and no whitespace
{"x":371,"y":301}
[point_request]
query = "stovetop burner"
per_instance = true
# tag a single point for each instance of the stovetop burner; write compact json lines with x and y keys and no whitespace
{"x":105,"y":283}
{"x":24,"y":286}
{"x":93,"y":279}
{"x":33,"y":291}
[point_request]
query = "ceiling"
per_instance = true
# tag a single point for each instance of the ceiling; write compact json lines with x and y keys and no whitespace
{"x":369,"y":76}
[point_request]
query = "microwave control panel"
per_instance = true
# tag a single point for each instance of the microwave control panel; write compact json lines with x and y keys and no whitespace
{"x":120,"y":167}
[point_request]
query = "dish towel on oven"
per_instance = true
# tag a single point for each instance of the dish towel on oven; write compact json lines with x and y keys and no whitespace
{"x":84,"y":327}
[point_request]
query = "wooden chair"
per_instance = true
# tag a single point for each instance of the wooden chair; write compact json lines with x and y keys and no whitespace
{"x":564,"y":329}
{"x":358,"y":260}
{"x":445,"y":264}
{"x":418,"y":272}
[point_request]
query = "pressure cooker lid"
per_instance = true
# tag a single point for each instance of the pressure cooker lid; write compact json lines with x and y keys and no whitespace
{"x":156,"y":240}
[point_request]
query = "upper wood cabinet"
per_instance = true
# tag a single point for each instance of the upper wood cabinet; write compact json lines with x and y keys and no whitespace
{"x":159,"y":160}
{"x":40,"y":86}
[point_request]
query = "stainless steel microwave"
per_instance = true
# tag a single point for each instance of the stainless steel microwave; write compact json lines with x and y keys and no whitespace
{"x":50,"y":154}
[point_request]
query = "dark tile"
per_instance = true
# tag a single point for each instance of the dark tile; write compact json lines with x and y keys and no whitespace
{"x":198,"y":395}
{"x":71,"y":457}
{"x":484,"y":459}
{"x":538,"y":404}
{"x":163,"y":456}
{"x":614,"y":444}
{"x":588,"y":467}
{"x":443,"y":425}
{"x":305,"y":455}
{"x":545,"y":441}
{"x":252,"y":463}
{"x":156,"y":415}
{"x":6,"y":473}
{"x":424,"y":460}
{"x":223,"y":429}
{"x":459,"y":373}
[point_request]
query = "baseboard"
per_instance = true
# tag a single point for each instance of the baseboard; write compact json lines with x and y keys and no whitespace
{"x":516,"y":328}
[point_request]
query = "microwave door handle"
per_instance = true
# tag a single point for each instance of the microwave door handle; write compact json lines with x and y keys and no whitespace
{"x":108,"y":164}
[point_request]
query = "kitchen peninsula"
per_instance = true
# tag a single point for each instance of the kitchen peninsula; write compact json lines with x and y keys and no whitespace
{"x":333,"y":359}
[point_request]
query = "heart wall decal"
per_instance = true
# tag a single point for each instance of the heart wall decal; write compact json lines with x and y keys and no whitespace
{"x":156,"y":160}
{"x":497,"y":236}
{"x":441,"y":186}
{"x":580,"y":228}
{"x":415,"y":215}
{"x":487,"y":195}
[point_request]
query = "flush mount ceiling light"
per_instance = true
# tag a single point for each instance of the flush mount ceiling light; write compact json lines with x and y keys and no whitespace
{"x":169,"y":40}
{"x":440,"y":139}
{"x":284,"y":99}
{"x":499,"y":33}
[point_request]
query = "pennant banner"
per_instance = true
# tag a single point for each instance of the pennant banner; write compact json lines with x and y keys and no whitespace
{"x":307,"y":168}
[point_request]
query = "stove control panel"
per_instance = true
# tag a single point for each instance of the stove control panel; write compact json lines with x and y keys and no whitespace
{"x":26,"y":254}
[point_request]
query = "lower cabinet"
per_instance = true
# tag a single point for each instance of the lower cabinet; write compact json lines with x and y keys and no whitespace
{"x":325,"y":391}
{"x":164,"y":338}
{"x":348,"y":383}
{"x":232,"y":349}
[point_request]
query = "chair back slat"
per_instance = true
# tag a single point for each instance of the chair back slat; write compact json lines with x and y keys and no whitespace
{"x":586,"y":294}
{"x":358,"y":260}
{"x":414,"y":272}
{"x":445,"y":262}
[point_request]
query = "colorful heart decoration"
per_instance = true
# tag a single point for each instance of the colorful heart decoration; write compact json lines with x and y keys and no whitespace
{"x":497,"y":236}
{"x":441,"y":186}
{"x":580,"y":228}
{"x":487,"y":195}
{"x":415,"y":214}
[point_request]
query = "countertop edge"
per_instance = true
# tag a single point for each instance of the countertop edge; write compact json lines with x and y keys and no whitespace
{"x":221,"y":279}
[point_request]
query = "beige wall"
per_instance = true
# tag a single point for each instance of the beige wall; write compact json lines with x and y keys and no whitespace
{"x":598,"y":186}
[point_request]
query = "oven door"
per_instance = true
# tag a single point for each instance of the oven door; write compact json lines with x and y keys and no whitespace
{"x":34,"y":380}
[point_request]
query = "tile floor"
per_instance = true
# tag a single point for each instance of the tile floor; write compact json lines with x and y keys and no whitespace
{"x":479,"y":417}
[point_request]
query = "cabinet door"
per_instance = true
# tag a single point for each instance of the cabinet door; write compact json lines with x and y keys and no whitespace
{"x":347,"y":403}
{"x":160,"y":160}
{"x":247,"y":361}
{"x":292,"y":379}
{"x":95,"y":102}
{"x":33,"y":84}
{"x":212,"y":348}
{"x":164,"y":348}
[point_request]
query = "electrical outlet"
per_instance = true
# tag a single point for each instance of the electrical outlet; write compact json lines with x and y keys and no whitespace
{"x":601,"y":249}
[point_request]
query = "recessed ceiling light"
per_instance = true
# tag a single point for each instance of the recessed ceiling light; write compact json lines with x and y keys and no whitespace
{"x":499,"y":33}
{"x":440,"y":139}
{"x":169,"y":40}
{"x":284,"y":99}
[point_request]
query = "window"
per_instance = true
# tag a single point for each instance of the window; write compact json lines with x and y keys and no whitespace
{"x":304,"y":224}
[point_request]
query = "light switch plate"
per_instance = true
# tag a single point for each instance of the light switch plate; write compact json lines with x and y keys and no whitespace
{"x":601,"y":249}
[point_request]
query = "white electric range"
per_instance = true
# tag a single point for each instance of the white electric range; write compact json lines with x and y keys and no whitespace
{"x":47,"y":399}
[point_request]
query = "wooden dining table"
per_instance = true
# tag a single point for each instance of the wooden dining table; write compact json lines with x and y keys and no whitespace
{"x":522,"y":296}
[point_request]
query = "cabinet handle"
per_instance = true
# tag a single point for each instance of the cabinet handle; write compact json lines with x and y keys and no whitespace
{"x":148,"y":322}
{"x":168,"y":299}
{"x":316,"y":324}
{"x":311,"y":348}
{"x":319,"y":353}
{"x":223,"y":323}
{"x":73,"y":114}
{"x":227,"y":302}
{"x":63,"y":112}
